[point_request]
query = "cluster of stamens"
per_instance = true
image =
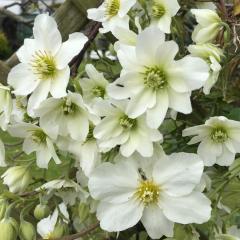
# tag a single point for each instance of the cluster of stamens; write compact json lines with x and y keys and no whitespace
{"x":219,"y":135}
{"x":158,"y":10}
{"x":98,"y":91}
{"x":38,"y":136}
{"x":155,"y":78}
{"x":43,"y":65}
{"x":127,"y":123}
{"x":112,"y":7}
{"x":148,"y":192}
{"x":69,"y":107}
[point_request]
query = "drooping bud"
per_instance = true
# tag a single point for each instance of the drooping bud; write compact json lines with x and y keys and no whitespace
{"x":17,"y":178}
{"x":9,"y":229}
{"x":59,"y":230}
{"x":27,"y":231}
{"x":41,"y":211}
{"x":83,"y":211}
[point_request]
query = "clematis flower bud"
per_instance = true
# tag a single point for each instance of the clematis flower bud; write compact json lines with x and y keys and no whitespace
{"x":27,"y":231}
{"x":41,"y":211}
{"x":17,"y":178}
{"x":9,"y":229}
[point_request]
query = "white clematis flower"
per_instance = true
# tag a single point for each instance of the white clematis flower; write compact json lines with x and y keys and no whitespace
{"x":35,"y":140}
{"x":219,"y":140}
{"x":118,"y":128}
{"x":213,"y":56}
{"x":157,"y":191}
{"x":209,"y":25}
{"x":162,"y":12}
{"x":112,"y":13}
{"x":6,"y":106}
{"x":153,"y":80}
{"x":94,"y":87}
{"x":66,"y":117}
{"x":44,"y":62}
{"x":46,"y":226}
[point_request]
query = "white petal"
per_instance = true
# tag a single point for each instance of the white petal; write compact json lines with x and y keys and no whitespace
{"x":89,"y":157}
{"x":125,"y":6}
{"x":179,"y":173}
{"x":70,"y":49}
{"x":25,"y":53}
{"x":193,"y":208}
{"x":46,"y":33}
{"x":126,"y":86}
{"x":119,"y":217}
{"x":39,"y":94}
{"x":43,"y":157}
{"x":78,"y":126}
{"x":114,"y":183}
{"x":180,"y":102}
{"x":60,"y":82}
{"x":156,"y":115}
{"x":52,"y":151}
{"x":155,"y":223}
{"x":226,"y":158}
{"x":208,"y":151}
{"x":146,"y":52}
{"x":22,"y":130}
{"x":130,"y":146}
{"x":97,"y":14}
{"x":164,"y":23}
{"x":166,"y":53}
{"x":193,"y":70}
{"x":22,"y":80}
{"x":141,"y":102}
{"x":29,"y":146}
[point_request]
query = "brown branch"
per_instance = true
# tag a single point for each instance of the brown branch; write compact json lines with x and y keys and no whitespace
{"x":91,"y":32}
{"x":80,"y":234}
{"x":17,"y":18}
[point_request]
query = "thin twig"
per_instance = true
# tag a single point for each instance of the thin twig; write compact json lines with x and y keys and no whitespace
{"x":17,"y":18}
{"x":80,"y":234}
{"x":91,"y":33}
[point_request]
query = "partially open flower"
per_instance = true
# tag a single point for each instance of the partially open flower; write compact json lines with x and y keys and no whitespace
{"x":17,"y":178}
{"x":209,"y":25}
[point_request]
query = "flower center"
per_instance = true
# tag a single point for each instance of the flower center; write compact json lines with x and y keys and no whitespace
{"x":158,"y":10}
{"x":148,"y":192}
{"x":44,"y":65}
{"x":127,"y":123}
{"x":155,"y":78}
{"x":112,"y":7}
{"x":69,"y":108}
{"x":90,"y":135}
{"x":98,"y":91}
{"x":38,"y":136}
{"x":219,"y":135}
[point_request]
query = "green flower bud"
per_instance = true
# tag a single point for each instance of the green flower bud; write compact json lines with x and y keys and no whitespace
{"x":59,"y":230}
{"x":83,"y":211}
{"x":3,"y":207}
{"x":17,"y":178}
{"x":41,"y":211}
{"x":27,"y":231}
{"x":9,"y":229}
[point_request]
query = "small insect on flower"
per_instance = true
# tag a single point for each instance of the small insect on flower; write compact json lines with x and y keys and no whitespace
{"x":157,"y":191}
